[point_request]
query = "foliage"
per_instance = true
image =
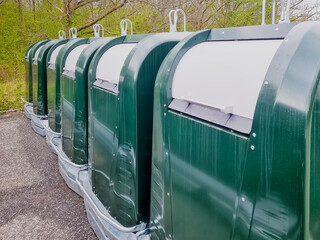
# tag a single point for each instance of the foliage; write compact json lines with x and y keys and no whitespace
{"x":23,"y":22}
{"x":10,"y":92}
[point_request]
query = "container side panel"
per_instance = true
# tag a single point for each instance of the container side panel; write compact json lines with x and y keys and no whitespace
{"x":28,"y":77}
{"x":136,"y":117}
{"x":314,"y":219}
{"x":35,"y":87}
{"x":104,"y":144}
{"x":206,"y":169}
{"x":51,"y":90}
{"x":67,"y":114}
{"x":80,"y":134}
{"x":42,"y":89}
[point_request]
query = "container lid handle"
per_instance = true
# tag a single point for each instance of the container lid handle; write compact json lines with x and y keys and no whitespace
{"x":62,"y":34}
{"x":176,"y":19}
{"x":285,"y":12}
{"x":124,"y":27}
{"x":96,"y":29}
{"x":170,"y":21}
{"x":73,"y":32}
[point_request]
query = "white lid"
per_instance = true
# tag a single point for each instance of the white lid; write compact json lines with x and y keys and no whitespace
{"x":54,"y":54}
{"x":225,"y":75}
{"x":73,"y":57}
{"x":111,"y":62}
{"x":28,"y":53}
{"x":37,"y":53}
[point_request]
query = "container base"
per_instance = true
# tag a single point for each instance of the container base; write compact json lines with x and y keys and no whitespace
{"x":37,"y":125}
{"x":102,"y":228}
{"x":28,"y":110}
{"x":53,"y":139}
{"x":68,"y":170}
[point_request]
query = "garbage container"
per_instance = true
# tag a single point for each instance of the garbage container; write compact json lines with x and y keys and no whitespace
{"x":28,"y":73}
{"x":39,"y":85}
{"x":54,"y":72}
{"x":52,"y":136}
{"x":121,"y":81}
{"x":28,"y":108}
{"x":235,"y":132}
{"x":74,"y":101}
{"x":54,"y":104}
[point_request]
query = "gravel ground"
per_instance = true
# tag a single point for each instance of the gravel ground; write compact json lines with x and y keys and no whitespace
{"x":35,"y":202}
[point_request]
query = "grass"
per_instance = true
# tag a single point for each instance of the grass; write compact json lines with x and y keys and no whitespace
{"x":10,"y":93}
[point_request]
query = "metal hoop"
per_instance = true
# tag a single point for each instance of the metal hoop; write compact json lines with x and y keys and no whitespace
{"x":176,"y":19}
{"x":62,"y":34}
{"x":73,"y":32}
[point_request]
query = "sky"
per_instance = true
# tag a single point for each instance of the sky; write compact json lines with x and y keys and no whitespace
{"x":313,"y":2}
{"x":310,"y":1}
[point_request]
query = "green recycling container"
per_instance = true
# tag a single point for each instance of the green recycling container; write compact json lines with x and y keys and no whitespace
{"x":74,"y":99}
{"x":52,"y":74}
{"x":54,"y":78}
{"x":30,"y":68}
{"x":39,"y":80}
{"x":235,"y":132}
{"x":121,"y":82}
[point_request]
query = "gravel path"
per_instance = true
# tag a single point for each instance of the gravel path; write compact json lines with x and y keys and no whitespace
{"x":35,"y":203}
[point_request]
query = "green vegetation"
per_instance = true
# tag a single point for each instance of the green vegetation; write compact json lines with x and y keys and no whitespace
{"x":23,"y":22}
{"x":10,"y":92}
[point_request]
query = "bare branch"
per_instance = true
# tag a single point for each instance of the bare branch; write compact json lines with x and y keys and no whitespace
{"x":55,"y":6}
{"x":161,"y":27}
{"x":102,"y":16}
{"x":84,"y":3}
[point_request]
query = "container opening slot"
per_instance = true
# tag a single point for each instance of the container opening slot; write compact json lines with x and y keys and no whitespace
{"x":234,"y":122}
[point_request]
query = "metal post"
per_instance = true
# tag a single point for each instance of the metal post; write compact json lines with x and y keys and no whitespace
{"x":287,"y":17}
{"x":282,"y":11}
{"x":263,"y":12}
{"x":273,"y":11}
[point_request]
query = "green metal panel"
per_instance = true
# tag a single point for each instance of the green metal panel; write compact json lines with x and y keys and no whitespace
{"x":209,"y":182}
{"x":34,"y":83}
{"x":284,"y":189}
{"x":206,"y":170}
{"x":51,"y":90}
{"x":103,"y":142}
{"x":51,"y":84}
{"x":121,"y":129}
{"x":30,"y":73}
{"x":28,"y":69}
{"x":40,"y":80}
{"x":313,"y":219}
{"x":80,"y":117}
{"x":67,"y":111}
{"x":74,"y":91}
